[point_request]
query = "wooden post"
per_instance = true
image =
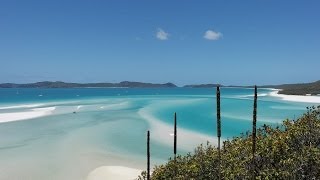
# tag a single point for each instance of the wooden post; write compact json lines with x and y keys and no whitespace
{"x":175,"y":136}
{"x":254,"y":129}
{"x":218,"y":130}
{"x":148,"y":155}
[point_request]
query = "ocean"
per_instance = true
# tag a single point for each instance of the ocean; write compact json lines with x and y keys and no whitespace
{"x":67,"y":133}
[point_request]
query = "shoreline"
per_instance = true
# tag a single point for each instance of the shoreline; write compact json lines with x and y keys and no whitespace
{"x":162,"y":132}
{"x":295,"y":98}
{"x":114,"y":172}
{"x":20,"y":116}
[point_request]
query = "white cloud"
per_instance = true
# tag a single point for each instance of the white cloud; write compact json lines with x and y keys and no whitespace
{"x":162,"y":35}
{"x":212,"y":35}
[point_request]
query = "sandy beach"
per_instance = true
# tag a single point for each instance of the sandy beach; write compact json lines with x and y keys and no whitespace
{"x":296,"y":98}
{"x":33,"y":113}
{"x":163,"y":133}
{"x":114,"y":172}
{"x":21,"y":106}
{"x":85,"y":141}
{"x":160,"y":133}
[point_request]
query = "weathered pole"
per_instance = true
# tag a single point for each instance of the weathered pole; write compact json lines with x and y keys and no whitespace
{"x":148,"y":155}
{"x":218,"y":130}
{"x":175,"y":136}
{"x":254,"y":133}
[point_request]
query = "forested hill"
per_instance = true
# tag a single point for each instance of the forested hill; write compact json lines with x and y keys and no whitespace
{"x":59,"y":84}
{"x":289,"y":89}
{"x":298,"y":89}
{"x":202,"y":85}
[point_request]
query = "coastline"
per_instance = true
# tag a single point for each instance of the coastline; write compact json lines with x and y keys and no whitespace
{"x":19,"y":116}
{"x":295,"y":98}
{"x":114,"y":172}
{"x":163,"y":133}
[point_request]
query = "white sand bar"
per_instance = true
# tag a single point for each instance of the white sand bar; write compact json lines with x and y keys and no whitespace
{"x":296,"y":98}
{"x":33,"y":113}
{"x":114,"y":172}
{"x":162,"y":133}
{"x":21,"y":106}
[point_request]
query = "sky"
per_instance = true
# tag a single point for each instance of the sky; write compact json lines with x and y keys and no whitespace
{"x":185,"y":42}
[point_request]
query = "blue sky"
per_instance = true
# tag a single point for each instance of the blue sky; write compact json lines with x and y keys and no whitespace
{"x":184,"y":42}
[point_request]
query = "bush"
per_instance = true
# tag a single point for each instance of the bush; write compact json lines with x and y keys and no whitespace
{"x":291,"y":151}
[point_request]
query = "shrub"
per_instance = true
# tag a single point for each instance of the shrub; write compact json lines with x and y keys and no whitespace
{"x":291,"y":151}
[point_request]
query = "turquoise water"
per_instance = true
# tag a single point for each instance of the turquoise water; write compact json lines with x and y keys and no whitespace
{"x":109,"y":126}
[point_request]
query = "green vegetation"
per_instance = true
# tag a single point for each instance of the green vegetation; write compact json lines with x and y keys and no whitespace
{"x":300,"y":89}
{"x":312,"y":88}
{"x":291,"y":151}
{"x":289,"y":89}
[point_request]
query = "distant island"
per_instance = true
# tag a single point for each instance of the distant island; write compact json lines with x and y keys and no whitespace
{"x":60,"y":84}
{"x":288,"y":89}
{"x":202,"y":85}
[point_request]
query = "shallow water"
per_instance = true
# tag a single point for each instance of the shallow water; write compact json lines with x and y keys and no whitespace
{"x":109,"y":126}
